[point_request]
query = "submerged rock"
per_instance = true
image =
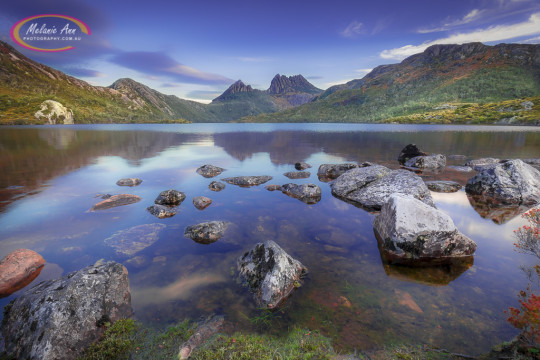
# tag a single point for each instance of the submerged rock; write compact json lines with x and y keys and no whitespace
{"x":116,"y":200}
{"x":18,"y":269}
{"x":248,"y":180}
{"x":370,"y":187}
{"x":161,"y":211}
{"x":170,"y":197}
{"x":130,"y":241}
{"x":301,"y":166}
{"x":413,"y":233}
{"x":410,"y":151}
{"x":201,"y":202}
{"x":216,"y":186}
{"x":209,"y":171}
{"x":298,"y":174}
{"x":328,"y":172}
{"x":129,"y":182}
{"x":203,"y":332}
{"x":58,"y":319}
{"x":511,"y":182}
{"x":207,"y":232}
{"x":427,"y":162}
{"x":443,"y":186}
{"x":270,"y":273}
{"x":307,"y":193}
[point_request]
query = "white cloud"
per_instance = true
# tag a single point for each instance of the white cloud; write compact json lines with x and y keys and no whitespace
{"x":471,"y":16}
{"x":363,"y":71}
{"x":353,"y":29}
{"x":493,"y":33}
{"x":340,"y":82}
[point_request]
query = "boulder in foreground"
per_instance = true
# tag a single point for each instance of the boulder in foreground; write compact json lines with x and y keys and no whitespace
{"x":270,"y":273}
{"x":413,"y":233}
{"x":58,"y":319}
{"x":18,"y":269}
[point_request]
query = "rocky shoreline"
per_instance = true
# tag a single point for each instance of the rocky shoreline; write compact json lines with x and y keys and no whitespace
{"x":410,"y":231}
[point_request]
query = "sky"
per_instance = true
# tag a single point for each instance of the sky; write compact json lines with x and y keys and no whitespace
{"x":197,"y":49}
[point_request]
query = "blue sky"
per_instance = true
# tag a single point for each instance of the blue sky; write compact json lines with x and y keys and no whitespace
{"x":196,"y":49}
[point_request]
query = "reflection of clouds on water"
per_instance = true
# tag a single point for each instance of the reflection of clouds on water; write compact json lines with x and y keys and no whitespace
{"x":181,"y":289}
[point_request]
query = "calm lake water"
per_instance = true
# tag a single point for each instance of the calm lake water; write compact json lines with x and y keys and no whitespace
{"x":50,"y":177}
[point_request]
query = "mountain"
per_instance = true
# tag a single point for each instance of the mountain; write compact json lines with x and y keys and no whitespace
{"x":292,"y":91}
{"x":459,"y":75}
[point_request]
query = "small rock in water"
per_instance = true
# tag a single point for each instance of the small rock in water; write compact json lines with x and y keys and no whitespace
{"x":307,"y":193}
{"x":271,"y":273}
{"x":209,"y":171}
{"x":170,"y":197}
{"x":207,"y":232}
{"x":479,"y":164}
{"x":18,"y":269}
{"x":201,"y":202}
{"x":410,"y":151}
{"x":216,"y":186}
{"x":443,"y":186}
{"x":116,"y":200}
{"x":248,"y":180}
{"x":301,"y":166}
{"x":273,"y":187}
{"x":161,"y":211}
{"x":129,"y":182}
{"x":298,"y":174}
{"x":427,"y":162}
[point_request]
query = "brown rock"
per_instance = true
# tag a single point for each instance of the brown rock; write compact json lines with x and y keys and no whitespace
{"x":116,"y":200}
{"x":18,"y":269}
{"x":201,"y":202}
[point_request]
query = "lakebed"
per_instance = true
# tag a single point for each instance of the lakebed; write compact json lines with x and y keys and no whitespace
{"x":51,"y":176}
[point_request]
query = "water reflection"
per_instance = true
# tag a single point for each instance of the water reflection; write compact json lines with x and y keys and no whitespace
{"x":497,"y":212}
{"x":433,"y":275}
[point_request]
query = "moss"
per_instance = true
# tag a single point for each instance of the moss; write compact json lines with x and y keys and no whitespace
{"x":116,"y":343}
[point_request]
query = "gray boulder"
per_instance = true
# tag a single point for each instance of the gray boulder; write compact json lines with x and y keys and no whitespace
{"x":209,"y":171}
{"x":307,"y":193}
{"x":443,"y":186}
{"x":216,"y":186}
{"x":207,"y":232}
{"x":413,"y":233}
{"x":58,"y":319}
{"x":511,"y":182}
{"x":170,"y":197}
{"x":129,"y":182}
{"x":270,"y":273}
{"x":410,"y":151}
{"x":328,"y":172}
{"x":161,"y":211}
{"x":301,"y":166}
{"x":371,"y":186}
{"x":247,"y":180}
{"x":479,"y":164}
{"x":427,"y":162}
{"x":297,"y":174}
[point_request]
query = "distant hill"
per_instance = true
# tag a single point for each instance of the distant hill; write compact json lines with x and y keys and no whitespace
{"x":441,"y":75}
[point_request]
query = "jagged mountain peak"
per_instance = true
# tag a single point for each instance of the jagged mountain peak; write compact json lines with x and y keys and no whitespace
{"x":282,"y":84}
{"x":237,"y":87}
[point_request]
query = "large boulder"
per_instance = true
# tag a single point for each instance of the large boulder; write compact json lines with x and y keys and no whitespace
{"x":370,"y":187}
{"x":410,"y":151}
{"x":170,"y":198}
{"x":54,"y":112}
{"x":328,"y":172}
{"x":18,"y":269}
{"x":116,"y":200}
{"x":510,"y":182}
{"x":413,"y":233}
{"x":307,"y":193}
{"x":209,"y":171}
{"x":270,"y":273}
{"x":427,"y":162}
{"x":246,"y":181}
{"x":58,"y":319}
{"x":207,"y":232}
{"x":130,"y":241}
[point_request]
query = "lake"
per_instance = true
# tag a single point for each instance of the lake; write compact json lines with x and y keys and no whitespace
{"x":52,"y":175}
